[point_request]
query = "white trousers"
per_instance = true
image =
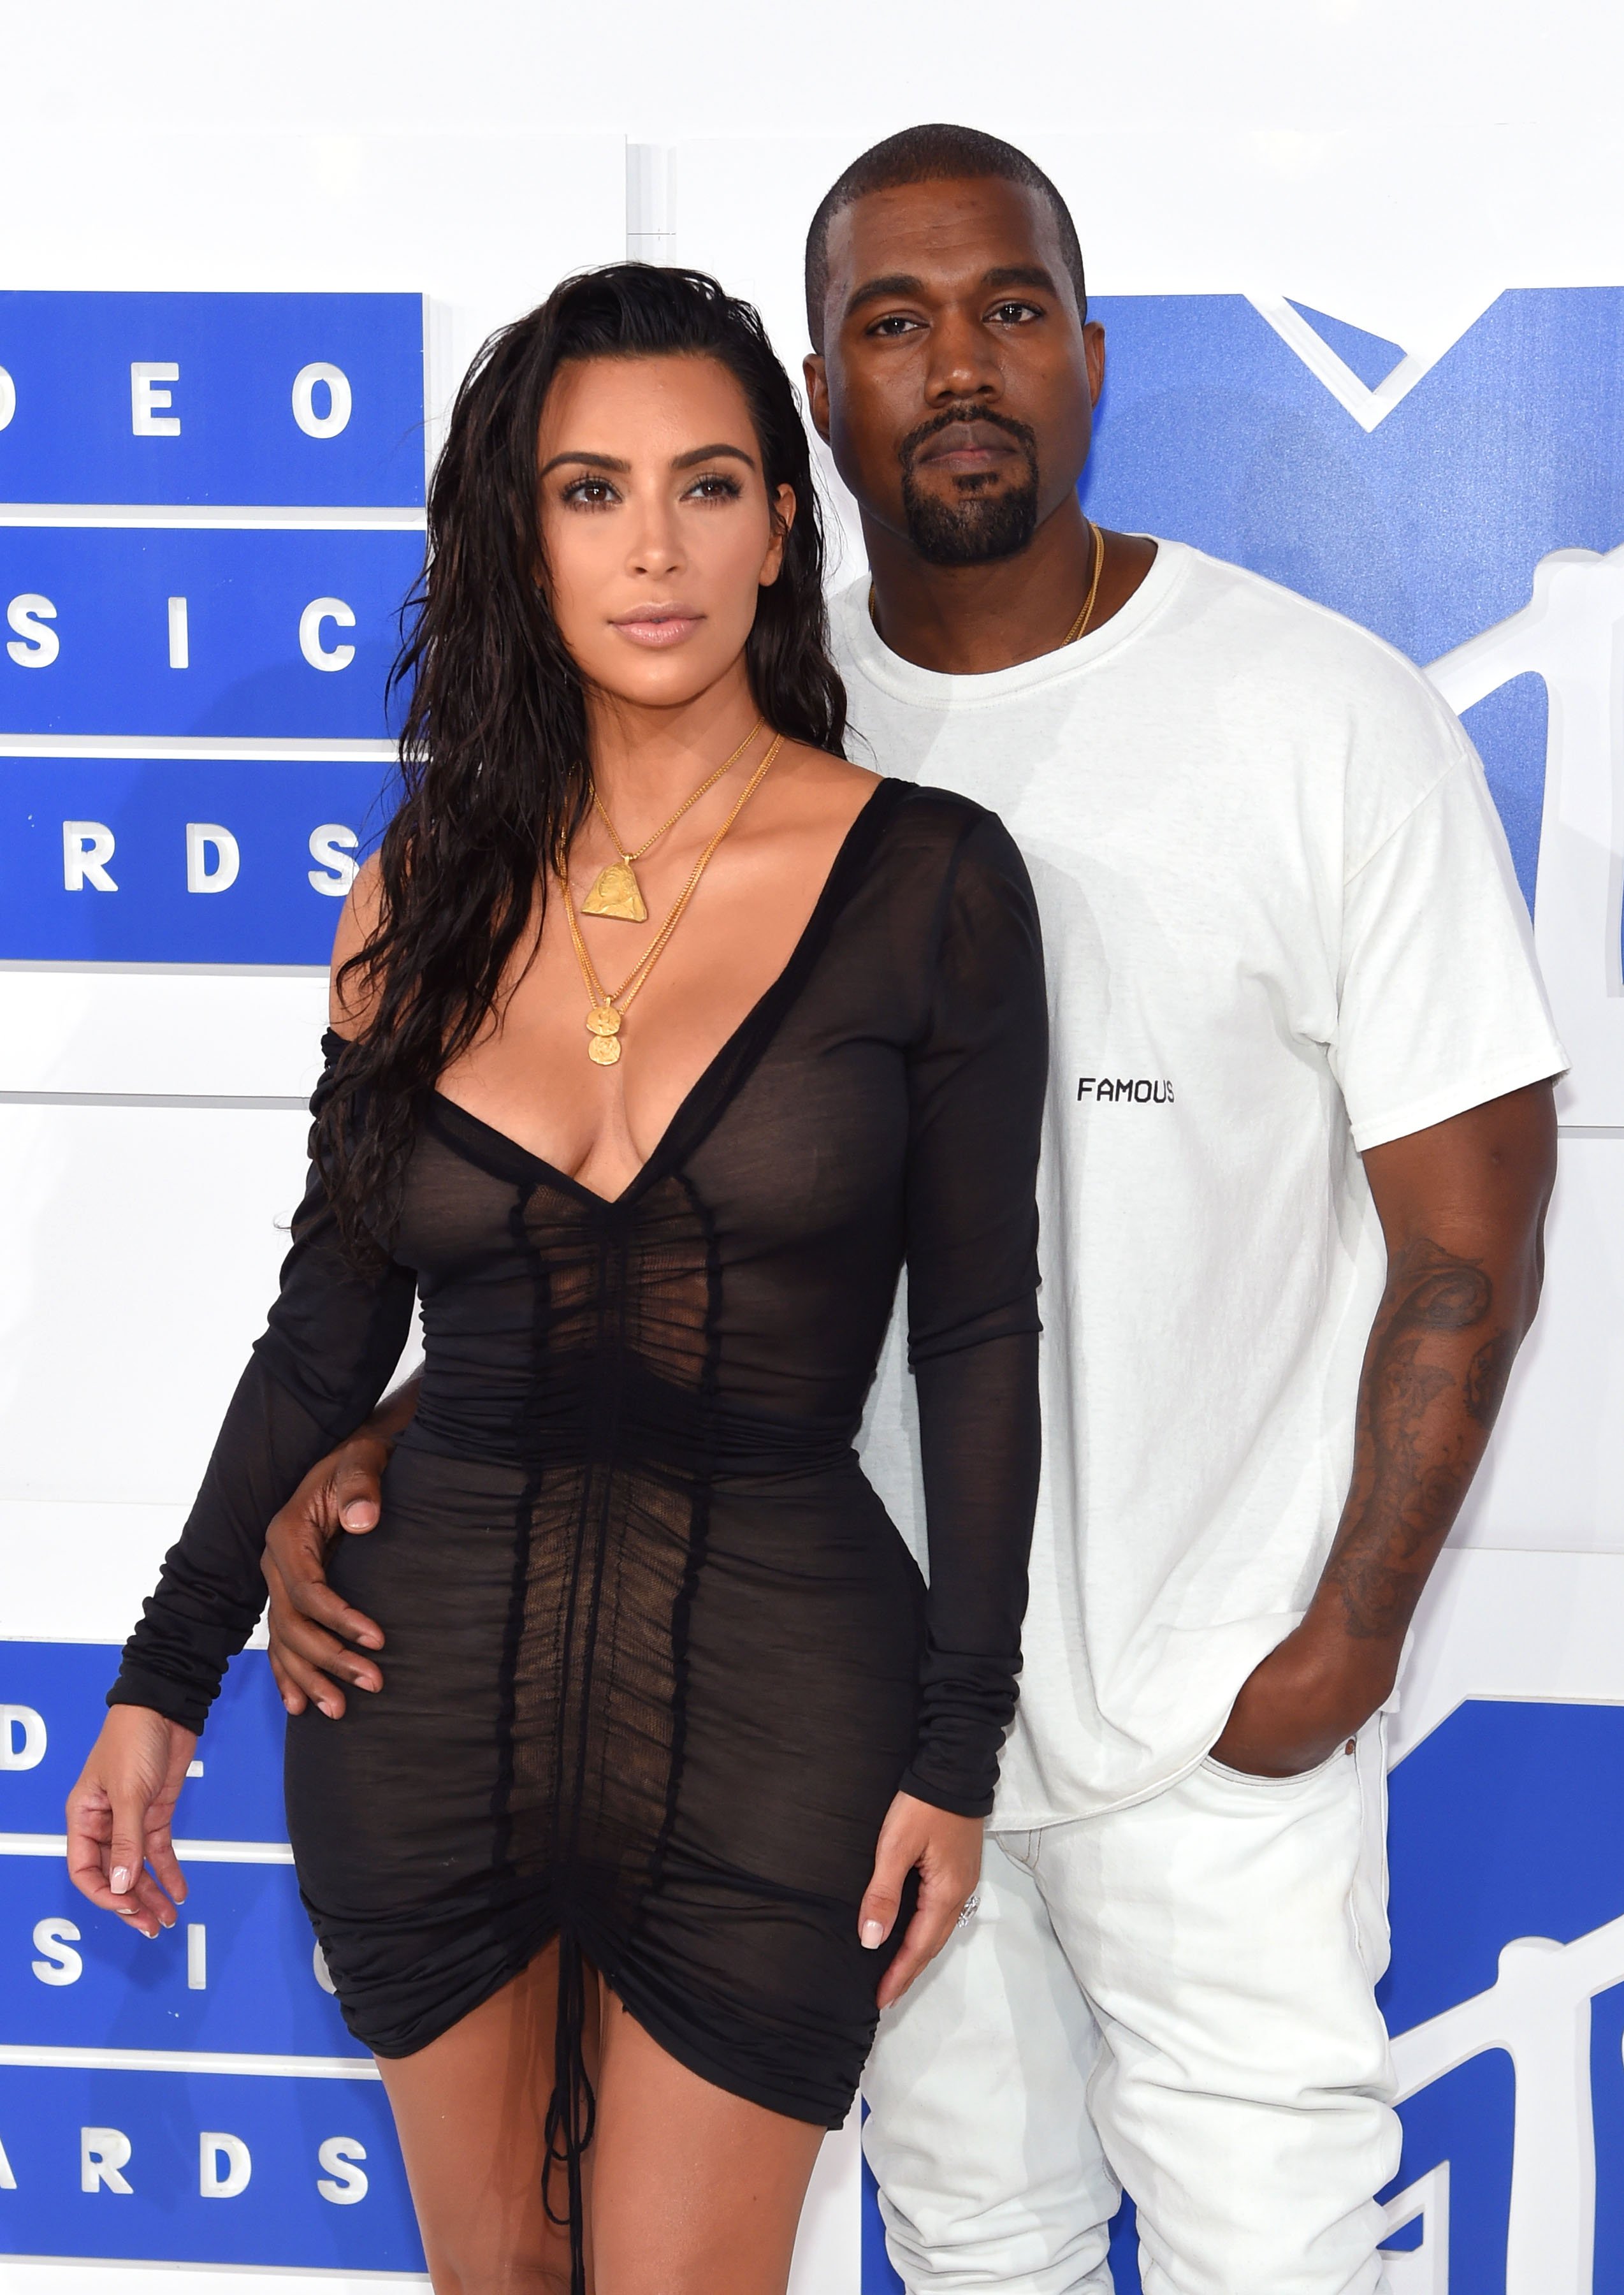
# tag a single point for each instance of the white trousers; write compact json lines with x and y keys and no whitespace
{"x":1176,"y":1997}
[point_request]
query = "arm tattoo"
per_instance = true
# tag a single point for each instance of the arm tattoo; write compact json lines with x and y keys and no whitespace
{"x":1435,"y":1371}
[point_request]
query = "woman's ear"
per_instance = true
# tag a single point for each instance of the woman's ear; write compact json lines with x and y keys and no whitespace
{"x":783,"y":518}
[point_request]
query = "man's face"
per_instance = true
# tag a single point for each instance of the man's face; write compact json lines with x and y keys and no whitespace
{"x":957,"y":384}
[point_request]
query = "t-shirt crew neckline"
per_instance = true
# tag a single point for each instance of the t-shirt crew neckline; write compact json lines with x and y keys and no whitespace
{"x":909,"y":683}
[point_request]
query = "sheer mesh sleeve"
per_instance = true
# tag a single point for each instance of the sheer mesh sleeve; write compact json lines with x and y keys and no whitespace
{"x":332,"y":1339}
{"x":976,"y":1102}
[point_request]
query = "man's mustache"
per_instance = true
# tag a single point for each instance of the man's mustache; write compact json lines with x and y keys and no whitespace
{"x":955,"y":418}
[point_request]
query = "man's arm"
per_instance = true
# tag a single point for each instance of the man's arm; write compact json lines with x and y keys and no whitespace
{"x":1462,"y":1205}
{"x":311,"y":1629}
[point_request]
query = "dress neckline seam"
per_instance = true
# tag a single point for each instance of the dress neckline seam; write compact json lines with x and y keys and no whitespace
{"x":774,"y":1000}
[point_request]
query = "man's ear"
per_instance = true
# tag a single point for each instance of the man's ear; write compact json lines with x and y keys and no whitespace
{"x":1094,"y":356}
{"x":817,"y":392}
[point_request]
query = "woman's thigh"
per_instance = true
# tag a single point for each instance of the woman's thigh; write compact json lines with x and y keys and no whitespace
{"x":689,"y":2189}
{"x":695,"y":2192}
{"x":470,"y":2109}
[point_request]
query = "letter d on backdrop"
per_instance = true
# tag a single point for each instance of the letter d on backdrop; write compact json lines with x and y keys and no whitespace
{"x":22,"y":1737}
{"x":212,"y":2148}
{"x":204,"y":838}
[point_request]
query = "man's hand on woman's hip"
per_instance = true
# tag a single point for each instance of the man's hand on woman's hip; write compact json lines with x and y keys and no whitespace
{"x":317,"y":1638}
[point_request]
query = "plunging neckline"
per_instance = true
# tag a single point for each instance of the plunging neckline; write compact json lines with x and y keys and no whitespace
{"x":744,"y":1045}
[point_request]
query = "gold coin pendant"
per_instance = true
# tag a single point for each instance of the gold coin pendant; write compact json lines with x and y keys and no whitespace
{"x":603,"y":1020}
{"x":605,"y":1051}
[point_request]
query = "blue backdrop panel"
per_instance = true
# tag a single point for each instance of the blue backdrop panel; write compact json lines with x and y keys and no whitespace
{"x":1494,"y":1838}
{"x":237,"y":1972}
{"x":73,"y":436}
{"x":272,"y":912}
{"x":1607,"y":2104}
{"x":52,"y":1702}
{"x":99,"y":661}
{"x":281,"y":2216}
{"x":1426,"y":529}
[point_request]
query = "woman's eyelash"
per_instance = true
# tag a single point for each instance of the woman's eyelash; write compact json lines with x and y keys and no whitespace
{"x":594,"y":493}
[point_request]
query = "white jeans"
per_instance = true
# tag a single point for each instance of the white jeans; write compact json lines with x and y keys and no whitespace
{"x":1176,"y":1997}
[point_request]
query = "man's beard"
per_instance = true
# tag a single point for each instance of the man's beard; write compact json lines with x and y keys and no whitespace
{"x":975,"y":528}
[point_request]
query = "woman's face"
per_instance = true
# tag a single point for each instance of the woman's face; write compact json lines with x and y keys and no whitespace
{"x":655,"y":525}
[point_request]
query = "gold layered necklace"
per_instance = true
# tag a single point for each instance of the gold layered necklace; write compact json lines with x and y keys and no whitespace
{"x":608,"y":1005}
{"x":615,"y":890}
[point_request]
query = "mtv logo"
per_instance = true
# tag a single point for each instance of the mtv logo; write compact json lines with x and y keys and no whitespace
{"x":1506,"y":1998}
{"x":1470,"y":509}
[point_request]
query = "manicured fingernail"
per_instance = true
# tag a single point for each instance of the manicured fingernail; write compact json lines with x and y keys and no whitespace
{"x":121,"y":1879}
{"x":873,"y":1935}
{"x":332,"y":1712}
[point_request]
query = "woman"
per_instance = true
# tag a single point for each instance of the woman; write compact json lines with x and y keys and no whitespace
{"x":661,"y":1036}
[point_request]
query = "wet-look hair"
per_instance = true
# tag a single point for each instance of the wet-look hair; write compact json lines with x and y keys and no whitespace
{"x":494,"y":765}
{"x":934,"y":153}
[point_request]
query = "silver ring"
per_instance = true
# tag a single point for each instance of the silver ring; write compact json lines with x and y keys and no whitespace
{"x":967,"y":1910}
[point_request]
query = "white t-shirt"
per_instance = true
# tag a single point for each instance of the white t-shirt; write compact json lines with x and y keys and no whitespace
{"x":1281,"y":926}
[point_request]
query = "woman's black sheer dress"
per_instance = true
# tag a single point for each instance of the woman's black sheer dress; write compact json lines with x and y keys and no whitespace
{"x":656,"y":1660}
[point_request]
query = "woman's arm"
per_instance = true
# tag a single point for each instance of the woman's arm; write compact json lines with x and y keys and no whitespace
{"x":334,"y":1337}
{"x":977,"y":1083}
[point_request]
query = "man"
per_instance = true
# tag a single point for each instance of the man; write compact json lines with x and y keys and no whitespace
{"x":1300,"y":1144}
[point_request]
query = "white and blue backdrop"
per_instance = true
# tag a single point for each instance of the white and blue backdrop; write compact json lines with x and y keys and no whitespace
{"x":1366,"y":335}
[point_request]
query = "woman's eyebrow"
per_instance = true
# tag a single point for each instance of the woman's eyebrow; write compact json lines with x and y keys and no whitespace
{"x":710,"y":455}
{"x":592,"y":461}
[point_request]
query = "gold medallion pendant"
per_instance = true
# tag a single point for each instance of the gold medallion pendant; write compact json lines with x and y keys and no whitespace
{"x":617,"y":893}
{"x":603,"y":1025}
{"x":614,"y":890}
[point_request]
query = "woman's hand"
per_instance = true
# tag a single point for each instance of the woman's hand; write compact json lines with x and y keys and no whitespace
{"x":120,"y":1814}
{"x":947,"y":1851}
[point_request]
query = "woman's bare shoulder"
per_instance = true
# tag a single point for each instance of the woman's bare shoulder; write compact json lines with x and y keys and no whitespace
{"x":349,"y":1003}
{"x":827,"y":786}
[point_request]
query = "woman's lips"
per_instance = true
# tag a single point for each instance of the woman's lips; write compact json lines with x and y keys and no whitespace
{"x":659,"y":625}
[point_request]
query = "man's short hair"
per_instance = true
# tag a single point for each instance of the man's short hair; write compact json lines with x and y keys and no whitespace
{"x":937,"y":153}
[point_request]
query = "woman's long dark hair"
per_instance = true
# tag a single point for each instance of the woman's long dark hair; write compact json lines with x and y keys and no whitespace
{"x":494,"y":758}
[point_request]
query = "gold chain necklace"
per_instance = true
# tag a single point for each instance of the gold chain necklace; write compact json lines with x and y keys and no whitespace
{"x":616,"y":891}
{"x":1081,"y":622}
{"x":609,"y":1006}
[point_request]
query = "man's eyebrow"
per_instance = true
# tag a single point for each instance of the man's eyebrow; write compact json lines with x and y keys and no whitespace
{"x":593,"y":462}
{"x":1020,"y":274}
{"x":883,"y":288}
{"x":710,"y":455}
{"x":902,"y":283}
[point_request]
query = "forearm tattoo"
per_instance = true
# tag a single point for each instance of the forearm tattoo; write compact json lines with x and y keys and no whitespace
{"x":1435,"y":1373}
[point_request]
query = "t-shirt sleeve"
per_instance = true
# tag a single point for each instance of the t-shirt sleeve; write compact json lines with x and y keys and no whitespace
{"x":334,"y":1335}
{"x":1439,"y":1004}
{"x":976,"y":1085}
